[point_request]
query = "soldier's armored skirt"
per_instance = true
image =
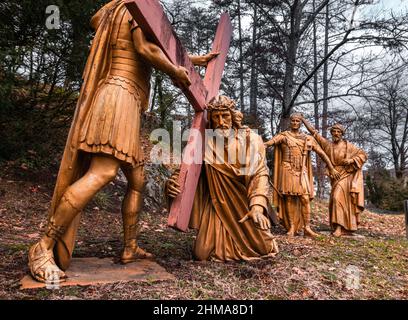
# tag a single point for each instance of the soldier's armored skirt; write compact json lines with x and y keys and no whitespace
{"x":112,"y":125}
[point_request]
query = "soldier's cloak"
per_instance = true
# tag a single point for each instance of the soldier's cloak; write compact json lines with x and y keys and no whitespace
{"x":74,"y":162}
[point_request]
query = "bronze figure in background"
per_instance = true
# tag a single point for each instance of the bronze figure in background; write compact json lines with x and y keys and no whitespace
{"x":293,"y":176}
{"x":230,"y":204}
{"x":347,"y":194}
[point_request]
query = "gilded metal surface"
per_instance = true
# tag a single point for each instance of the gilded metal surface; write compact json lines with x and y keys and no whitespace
{"x":293,"y":176}
{"x":347,"y":194}
{"x":104,"y":136}
{"x":231,"y":204}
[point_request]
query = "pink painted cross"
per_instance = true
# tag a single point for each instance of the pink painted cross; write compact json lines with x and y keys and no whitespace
{"x":150,"y":16}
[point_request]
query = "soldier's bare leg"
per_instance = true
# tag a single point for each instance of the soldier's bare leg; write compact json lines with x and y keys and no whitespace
{"x":306,"y":212}
{"x":131,"y":206}
{"x":102,"y":170}
{"x":291,"y":212}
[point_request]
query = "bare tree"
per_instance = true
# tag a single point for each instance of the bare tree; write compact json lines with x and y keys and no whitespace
{"x":388,"y":121}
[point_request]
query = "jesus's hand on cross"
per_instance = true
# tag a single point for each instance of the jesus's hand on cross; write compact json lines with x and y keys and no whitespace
{"x":160,"y":31}
{"x":172,"y":188}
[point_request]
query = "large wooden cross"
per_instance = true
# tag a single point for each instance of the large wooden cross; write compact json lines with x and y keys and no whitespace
{"x":150,"y":16}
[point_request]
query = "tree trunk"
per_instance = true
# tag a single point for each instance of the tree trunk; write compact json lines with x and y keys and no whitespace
{"x":293,"y":44}
{"x":156,"y":82}
{"x":273,"y":117}
{"x":241,"y":60}
{"x":319,"y":163}
{"x":160,"y":98}
{"x":315,"y":77}
{"x":254,"y":81}
{"x":325,"y":75}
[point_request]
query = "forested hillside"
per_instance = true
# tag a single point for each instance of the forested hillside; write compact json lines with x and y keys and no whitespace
{"x":335,"y":61}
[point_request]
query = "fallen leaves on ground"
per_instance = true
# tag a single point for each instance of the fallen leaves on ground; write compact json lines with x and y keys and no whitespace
{"x":322,"y":268}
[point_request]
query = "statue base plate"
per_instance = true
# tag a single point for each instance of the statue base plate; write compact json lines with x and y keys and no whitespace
{"x":93,"y":271}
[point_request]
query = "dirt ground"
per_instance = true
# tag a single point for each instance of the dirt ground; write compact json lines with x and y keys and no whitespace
{"x":371,"y":265}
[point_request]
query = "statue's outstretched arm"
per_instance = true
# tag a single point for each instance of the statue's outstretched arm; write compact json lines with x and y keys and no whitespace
{"x":155,"y":56}
{"x":202,"y":61}
{"x":274,"y":141}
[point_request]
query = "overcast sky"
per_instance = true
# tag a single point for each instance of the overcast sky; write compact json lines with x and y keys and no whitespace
{"x":385,"y":7}
{"x":395,"y":5}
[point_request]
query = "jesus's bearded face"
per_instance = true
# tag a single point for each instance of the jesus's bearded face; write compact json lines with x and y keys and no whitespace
{"x":222,"y":121}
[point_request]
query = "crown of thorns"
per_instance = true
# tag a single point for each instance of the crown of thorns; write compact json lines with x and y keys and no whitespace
{"x":221,"y":103}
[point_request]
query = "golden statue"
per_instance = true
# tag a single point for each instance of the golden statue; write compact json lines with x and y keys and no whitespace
{"x":347,"y":194}
{"x":293,"y":176}
{"x":104,"y":136}
{"x":230,"y":205}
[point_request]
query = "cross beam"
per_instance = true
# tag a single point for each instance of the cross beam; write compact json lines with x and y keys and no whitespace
{"x":150,"y":16}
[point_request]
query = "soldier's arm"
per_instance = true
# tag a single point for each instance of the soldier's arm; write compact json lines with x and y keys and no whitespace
{"x":278,"y":139}
{"x":155,"y":56}
{"x":202,"y":61}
